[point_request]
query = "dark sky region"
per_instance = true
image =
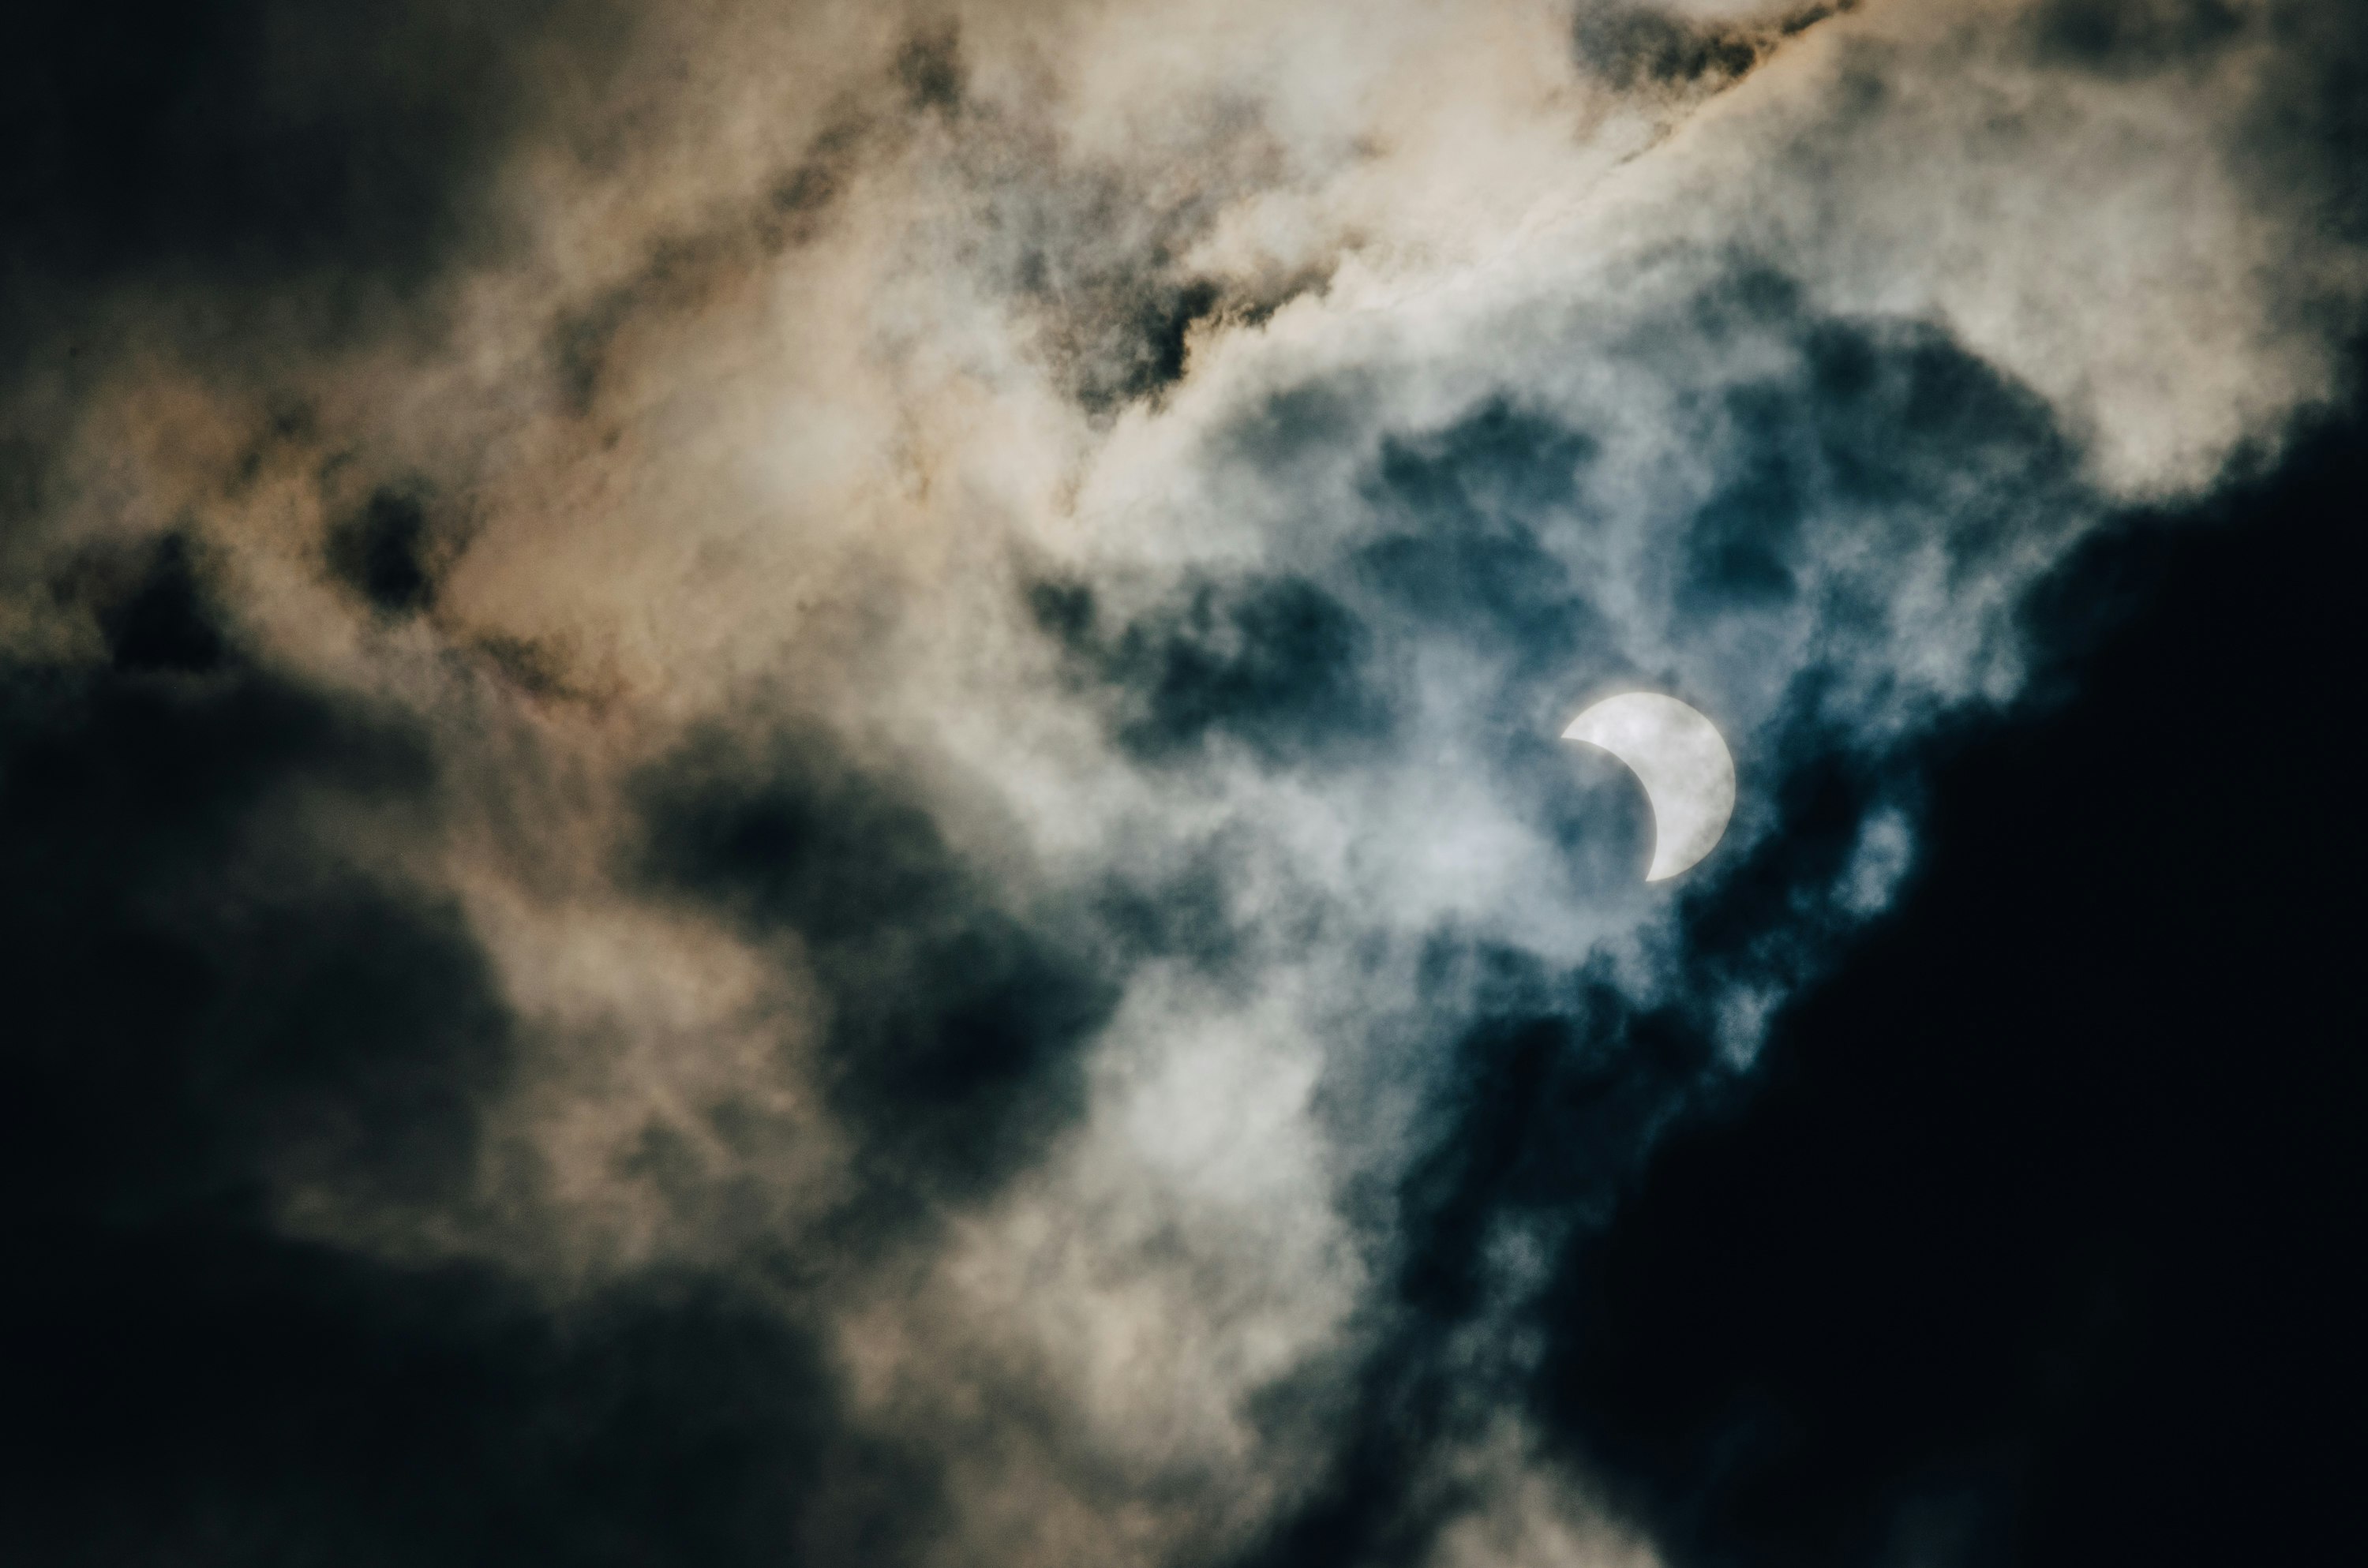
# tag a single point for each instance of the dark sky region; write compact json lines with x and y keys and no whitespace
{"x":778,"y":784}
{"x":2032,"y":1245}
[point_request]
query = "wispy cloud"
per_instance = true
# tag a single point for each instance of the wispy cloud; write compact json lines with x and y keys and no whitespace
{"x":857,"y":711}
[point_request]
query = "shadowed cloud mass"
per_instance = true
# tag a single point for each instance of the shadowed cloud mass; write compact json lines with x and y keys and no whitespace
{"x":779,"y":781}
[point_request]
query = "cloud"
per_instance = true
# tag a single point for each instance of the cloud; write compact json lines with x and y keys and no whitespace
{"x":826,"y":738}
{"x":953,"y":1026}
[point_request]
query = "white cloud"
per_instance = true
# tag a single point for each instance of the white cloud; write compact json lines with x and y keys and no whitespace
{"x":1779,"y":398}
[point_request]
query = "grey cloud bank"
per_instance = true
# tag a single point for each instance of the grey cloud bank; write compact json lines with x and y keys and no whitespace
{"x":824,"y":742}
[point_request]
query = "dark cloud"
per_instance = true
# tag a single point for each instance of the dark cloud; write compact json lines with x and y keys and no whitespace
{"x":1635,"y":46}
{"x":1864,"y":449}
{"x":543,"y":669}
{"x":2303,"y":136}
{"x":1983,"y":1277}
{"x":931,"y":68}
{"x":1868,"y":444}
{"x":1458,"y":549}
{"x":955,"y":1021}
{"x":162,"y":621}
{"x":2023,"y":1255}
{"x":207,"y":1008}
{"x":240,"y":144}
{"x":1977,"y":1270}
{"x":2133,"y":36}
{"x":1864,"y":435}
{"x":1143,"y":351}
{"x":202,"y":1394}
{"x":1275,"y":666}
{"x":1120,"y":325}
{"x":204,"y":999}
{"x":384,"y":551}
{"x":1873,"y":425}
{"x":1557,"y":1086}
{"x":2308,"y":131}
{"x":1184,"y":914}
{"x":1630,"y":45}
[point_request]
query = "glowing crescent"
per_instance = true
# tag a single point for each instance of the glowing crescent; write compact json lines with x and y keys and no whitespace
{"x":1676,"y":754}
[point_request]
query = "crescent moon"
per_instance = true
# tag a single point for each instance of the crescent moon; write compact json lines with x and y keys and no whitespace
{"x":1679,"y":757}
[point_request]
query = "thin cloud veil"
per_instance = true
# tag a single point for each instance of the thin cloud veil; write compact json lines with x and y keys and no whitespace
{"x":791,"y":773}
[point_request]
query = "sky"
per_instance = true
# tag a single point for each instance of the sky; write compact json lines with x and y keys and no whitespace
{"x":780,"y":782}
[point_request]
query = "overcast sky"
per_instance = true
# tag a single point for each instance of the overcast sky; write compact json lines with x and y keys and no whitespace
{"x":778,"y":782}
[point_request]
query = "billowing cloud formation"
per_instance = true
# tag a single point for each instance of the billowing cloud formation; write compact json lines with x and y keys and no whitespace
{"x":811,"y":751}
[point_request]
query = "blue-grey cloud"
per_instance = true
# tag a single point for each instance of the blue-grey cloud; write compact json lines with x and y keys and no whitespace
{"x":812,"y":752}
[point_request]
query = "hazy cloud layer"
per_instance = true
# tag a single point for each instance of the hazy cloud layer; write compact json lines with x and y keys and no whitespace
{"x":813,"y":748}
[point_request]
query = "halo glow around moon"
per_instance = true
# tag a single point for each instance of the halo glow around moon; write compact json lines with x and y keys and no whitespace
{"x":1679,"y":757}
